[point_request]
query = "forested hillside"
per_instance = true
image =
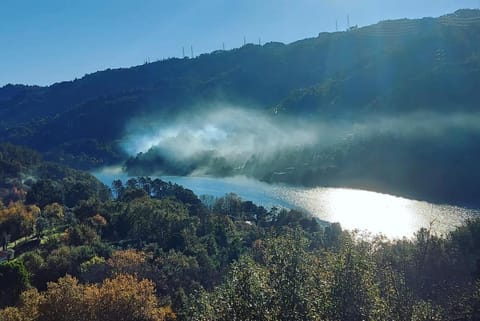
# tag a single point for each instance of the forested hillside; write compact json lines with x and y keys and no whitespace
{"x":390,"y":67}
{"x":423,"y":72}
{"x":77,"y":249}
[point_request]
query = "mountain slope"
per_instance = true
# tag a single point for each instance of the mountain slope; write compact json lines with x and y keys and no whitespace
{"x":392,"y":69}
{"x":381,"y":57}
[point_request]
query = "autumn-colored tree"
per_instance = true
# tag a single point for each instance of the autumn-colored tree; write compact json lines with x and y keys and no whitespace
{"x":98,"y":222}
{"x":63,"y":301}
{"x":128,"y":262}
{"x":123,"y":298}
{"x":18,"y":220}
{"x":27,"y":309}
{"x":13,"y":314}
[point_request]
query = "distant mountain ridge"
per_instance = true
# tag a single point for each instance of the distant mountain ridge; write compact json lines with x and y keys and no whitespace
{"x":277,"y":70}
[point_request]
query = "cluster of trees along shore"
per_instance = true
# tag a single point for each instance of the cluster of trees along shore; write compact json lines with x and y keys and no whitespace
{"x":152,"y":250}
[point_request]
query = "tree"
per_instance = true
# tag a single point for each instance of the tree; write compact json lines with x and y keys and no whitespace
{"x":113,"y":303}
{"x":14,"y":279}
{"x":44,"y":192}
{"x":129,"y":262}
{"x":118,"y":189}
{"x":27,"y":309}
{"x":33,"y":261}
{"x":5,"y":239}
{"x":245,"y":295}
{"x":295,"y":295}
{"x":54,"y":211}
{"x":98,"y":222}
{"x":158,"y":221}
{"x":18,"y":220}
{"x":354,"y":290}
{"x":122,"y":298}
{"x":80,"y":235}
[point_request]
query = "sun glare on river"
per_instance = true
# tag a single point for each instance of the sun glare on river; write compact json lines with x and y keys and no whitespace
{"x":377,"y":213}
{"x":392,"y":216}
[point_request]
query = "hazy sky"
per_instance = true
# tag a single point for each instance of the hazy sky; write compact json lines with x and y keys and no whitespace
{"x":45,"y":41}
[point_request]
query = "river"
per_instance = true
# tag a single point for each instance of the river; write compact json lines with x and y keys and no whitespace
{"x":395,"y":217}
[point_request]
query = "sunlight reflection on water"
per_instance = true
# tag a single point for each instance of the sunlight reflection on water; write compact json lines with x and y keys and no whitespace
{"x":395,"y":217}
{"x":392,"y":216}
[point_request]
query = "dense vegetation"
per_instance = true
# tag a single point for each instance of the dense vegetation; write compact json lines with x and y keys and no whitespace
{"x":389,"y":69}
{"x":153,"y":250}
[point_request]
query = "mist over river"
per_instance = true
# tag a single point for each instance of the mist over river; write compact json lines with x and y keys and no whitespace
{"x":392,"y":216}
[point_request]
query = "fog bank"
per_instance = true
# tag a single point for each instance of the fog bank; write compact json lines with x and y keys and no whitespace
{"x":225,"y":140}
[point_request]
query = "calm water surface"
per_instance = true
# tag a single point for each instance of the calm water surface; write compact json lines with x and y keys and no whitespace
{"x":392,"y":216}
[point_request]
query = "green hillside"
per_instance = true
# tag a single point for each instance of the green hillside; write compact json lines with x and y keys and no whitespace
{"x":391,"y":69}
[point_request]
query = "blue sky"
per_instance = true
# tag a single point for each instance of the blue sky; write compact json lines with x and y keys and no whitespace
{"x":45,"y":41}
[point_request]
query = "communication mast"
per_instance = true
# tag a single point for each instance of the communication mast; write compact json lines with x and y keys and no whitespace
{"x":191,"y":51}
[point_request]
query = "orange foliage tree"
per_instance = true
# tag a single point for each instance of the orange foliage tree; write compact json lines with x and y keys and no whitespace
{"x":123,"y":298}
{"x":18,"y":220}
{"x":128,"y":262}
